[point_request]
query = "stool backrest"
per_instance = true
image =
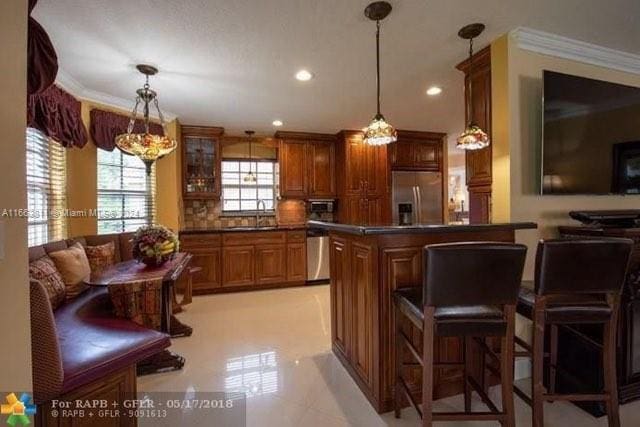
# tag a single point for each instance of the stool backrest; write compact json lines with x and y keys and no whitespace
{"x":482,"y":273}
{"x":569,"y":266}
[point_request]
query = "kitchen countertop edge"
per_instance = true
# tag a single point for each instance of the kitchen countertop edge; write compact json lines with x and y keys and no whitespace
{"x":417,"y":229}
{"x":241,"y":229}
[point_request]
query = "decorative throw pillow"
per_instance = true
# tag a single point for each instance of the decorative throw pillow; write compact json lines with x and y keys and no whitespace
{"x":44,"y":271}
{"x":101,"y":256}
{"x":73,"y":265}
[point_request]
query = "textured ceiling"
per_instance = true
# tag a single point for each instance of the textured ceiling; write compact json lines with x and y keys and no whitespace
{"x":231,"y":63}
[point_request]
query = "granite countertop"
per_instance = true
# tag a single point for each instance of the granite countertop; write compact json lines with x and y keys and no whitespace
{"x":248,"y":229}
{"x":417,"y":228}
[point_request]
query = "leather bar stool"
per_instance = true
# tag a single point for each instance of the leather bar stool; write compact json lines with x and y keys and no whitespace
{"x":576,"y":282}
{"x":469,"y":290}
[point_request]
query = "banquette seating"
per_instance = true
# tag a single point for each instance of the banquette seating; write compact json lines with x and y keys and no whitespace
{"x":80,"y":349}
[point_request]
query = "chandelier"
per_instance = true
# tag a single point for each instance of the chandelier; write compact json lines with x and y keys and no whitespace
{"x":473,"y":137}
{"x":146,"y":146}
{"x":379,"y":131}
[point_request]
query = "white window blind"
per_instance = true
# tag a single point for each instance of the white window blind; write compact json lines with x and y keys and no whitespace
{"x":126,"y":195}
{"x":46,"y":188}
{"x":240,"y":195}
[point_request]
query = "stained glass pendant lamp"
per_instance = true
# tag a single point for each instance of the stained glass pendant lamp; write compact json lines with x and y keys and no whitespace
{"x":250,"y":177}
{"x":473,"y":137}
{"x":147,"y":146}
{"x":379,"y":131}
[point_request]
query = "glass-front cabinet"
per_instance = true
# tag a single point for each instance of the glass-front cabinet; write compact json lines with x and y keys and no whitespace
{"x":201,"y":162}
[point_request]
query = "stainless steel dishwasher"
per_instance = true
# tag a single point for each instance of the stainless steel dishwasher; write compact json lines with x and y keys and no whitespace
{"x":317,"y":256}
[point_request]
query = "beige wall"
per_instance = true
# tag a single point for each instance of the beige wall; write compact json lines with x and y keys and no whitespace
{"x":523,"y":106}
{"x":15,"y":357}
{"x":82,"y":180}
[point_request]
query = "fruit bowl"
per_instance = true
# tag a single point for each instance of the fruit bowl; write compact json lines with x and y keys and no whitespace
{"x":154,"y":245}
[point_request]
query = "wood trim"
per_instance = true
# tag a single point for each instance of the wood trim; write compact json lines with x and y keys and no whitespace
{"x":213,"y":131}
{"x":480,"y":58}
{"x":415,"y":134}
{"x":304,"y":136}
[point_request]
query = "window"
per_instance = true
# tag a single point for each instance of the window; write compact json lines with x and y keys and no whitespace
{"x":46,"y":189}
{"x":239,"y":194}
{"x":126,"y":195}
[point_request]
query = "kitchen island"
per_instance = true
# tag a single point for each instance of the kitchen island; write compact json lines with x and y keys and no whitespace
{"x":367,"y":264}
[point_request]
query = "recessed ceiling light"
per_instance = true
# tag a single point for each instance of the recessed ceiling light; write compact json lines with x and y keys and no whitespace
{"x":304,"y":75}
{"x":434,"y":90}
{"x":277,"y":123}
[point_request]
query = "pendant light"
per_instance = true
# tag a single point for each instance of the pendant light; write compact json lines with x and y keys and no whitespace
{"x":250,"y":177}
{"x":145,"y":145}
{"x":473,"y":137}
{"x":379,"y":132}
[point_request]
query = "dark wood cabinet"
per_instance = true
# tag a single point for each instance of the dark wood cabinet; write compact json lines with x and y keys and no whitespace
{"x":363,"y":180}
{"x":293,"y":171}
{"x":271,"y":264}
{"x":479,"y":162}
{"x":339,"y":294}
{"x":246,"y":260}
{"x":363,"y":301}
{"x":321,"y":164}
{"x":307,"y":165}
{"x":420,"y":151}
{"x":201,"y":162}
{"x":238,"y":266}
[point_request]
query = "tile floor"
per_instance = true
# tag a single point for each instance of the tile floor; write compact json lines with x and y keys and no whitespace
{"x":275,"y":347}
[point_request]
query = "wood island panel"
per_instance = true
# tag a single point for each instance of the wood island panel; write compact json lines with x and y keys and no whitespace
{"x":365,"y":270}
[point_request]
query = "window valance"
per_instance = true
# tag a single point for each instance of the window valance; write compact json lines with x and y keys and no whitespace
{"x":42,"y":61}
{"x":106,"y":125}
{"x":57,"y":114}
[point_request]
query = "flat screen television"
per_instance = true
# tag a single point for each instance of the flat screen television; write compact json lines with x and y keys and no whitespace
{"x":591,"y":136}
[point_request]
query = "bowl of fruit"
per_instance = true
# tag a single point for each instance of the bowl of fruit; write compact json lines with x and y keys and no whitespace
{"x":154,"y":245}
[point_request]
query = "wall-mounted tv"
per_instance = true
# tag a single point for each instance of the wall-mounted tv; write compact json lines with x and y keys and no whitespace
{"x":591,"y":136}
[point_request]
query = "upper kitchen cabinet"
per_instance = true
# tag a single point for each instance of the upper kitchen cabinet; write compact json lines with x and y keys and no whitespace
{"x":201,"y":161}
{"x":307,"y":165}
{"x":479,"y":162}
{"x":362,"y":180}
{"x":420,"y":151}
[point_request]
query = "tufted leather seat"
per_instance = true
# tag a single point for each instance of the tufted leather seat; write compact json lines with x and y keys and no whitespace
{"x":456,"y":321}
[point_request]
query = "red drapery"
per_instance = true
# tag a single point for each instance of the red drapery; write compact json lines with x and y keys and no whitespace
{"x":106,"y":125}
{"x":57,"y":115}
{"x":42,"y":61}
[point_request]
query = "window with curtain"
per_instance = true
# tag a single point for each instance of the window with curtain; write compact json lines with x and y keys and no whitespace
{"x":240,"y":194}
{"x":46,"y":189}
{"x":126,"y":195}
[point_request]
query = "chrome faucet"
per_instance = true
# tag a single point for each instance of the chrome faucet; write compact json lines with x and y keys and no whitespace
{"x":264,"y":210}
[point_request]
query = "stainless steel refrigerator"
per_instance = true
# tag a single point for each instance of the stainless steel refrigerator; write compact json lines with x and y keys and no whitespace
{"x":423,"y":190}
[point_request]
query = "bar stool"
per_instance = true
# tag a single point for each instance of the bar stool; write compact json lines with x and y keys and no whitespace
{"x":576,"y":282}
{"x":469,"y":290}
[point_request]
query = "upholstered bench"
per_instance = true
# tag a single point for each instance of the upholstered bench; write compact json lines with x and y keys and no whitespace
{"x":81,"y":350}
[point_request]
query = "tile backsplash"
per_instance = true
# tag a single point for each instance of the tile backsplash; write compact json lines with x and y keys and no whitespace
{"x":208,"y":214}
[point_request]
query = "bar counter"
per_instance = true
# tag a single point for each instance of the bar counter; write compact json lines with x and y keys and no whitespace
{"x":367,"y":264}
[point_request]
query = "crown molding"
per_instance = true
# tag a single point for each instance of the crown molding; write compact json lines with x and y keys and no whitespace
{"x":576,"y":50}
{"x":77,"y":89}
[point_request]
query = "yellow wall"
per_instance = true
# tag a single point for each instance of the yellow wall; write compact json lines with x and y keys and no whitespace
{"x":82,"y":180}
{"x":501,"y":191}
{"x":522,"y":110}
{"x":15,"y":357}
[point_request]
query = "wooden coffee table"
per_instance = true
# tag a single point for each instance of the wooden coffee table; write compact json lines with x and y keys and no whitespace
{"x":169,"y":273}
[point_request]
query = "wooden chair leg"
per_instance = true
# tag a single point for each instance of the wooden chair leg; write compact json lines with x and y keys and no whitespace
{"x":553,"y":357}
{"x":468,"y":369}
{"x":397,"y":396}
{"x":506,"y":368}
{"x":427,"y":370}
{"x":609,"y":365}
{"x":537,"y":358}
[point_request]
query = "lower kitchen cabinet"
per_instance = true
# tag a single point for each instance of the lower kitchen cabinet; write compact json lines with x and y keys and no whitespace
{"x":237,"y":266}
{"x":237,"y":261}
{"x":270,"y":264}
{"x":296,"y":262}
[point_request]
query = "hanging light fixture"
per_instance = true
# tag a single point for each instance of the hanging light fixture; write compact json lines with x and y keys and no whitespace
{"x":146,"y":146}
{"x":379,"y":132}
{"x":250,"y":177}
{"x":473,"y":137}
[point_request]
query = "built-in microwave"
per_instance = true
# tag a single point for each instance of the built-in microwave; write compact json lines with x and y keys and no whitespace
{"x":320,"y":206}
